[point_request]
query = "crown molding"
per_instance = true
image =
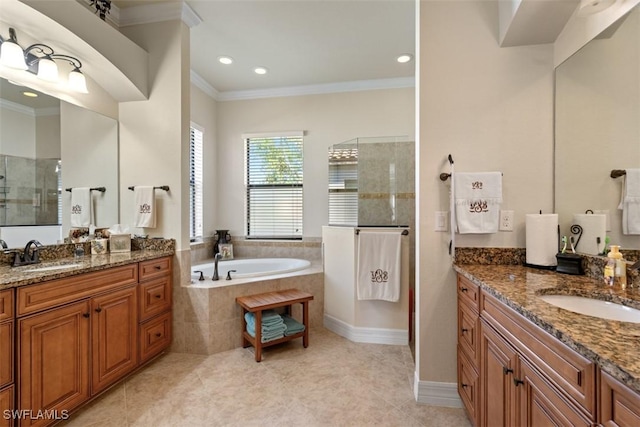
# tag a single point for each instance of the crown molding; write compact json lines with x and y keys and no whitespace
{"x":203,"y":85}
{"x":158,"y":12}
{"x":352,"y":86}
{"x":18,"y":108}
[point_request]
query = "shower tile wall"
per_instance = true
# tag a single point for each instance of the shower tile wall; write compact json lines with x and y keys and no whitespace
{"x":386,"y":194}
{"x":29,"y":191}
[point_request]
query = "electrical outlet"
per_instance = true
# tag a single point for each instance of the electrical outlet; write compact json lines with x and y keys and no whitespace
{"x":506,"y":221}
{"x":441,"y":221}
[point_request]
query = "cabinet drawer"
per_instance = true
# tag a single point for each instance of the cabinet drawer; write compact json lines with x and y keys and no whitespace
{"x":468,"y":291}
{"x":154,"y":297}
{"x":468,"y":331}
{"x":155,"y":336}
{"x":619,"y":405}
{"x":468,"y":386}
{"x":6,"y":403}
{"x":572,"y":373}
{"x":6,"y":304}
{"x":7,"y":331}
{"x":57,"y":292}
{"x":155,"y":268}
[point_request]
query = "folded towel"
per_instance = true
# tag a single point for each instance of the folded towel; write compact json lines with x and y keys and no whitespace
{"x":478,"y":198}
{"x":630,"y":202}
{"x":144,"y":214}
{"x":293,"y":326}
{"x":270,"y":336}
{"x":269,"y":318}
{"x":379,"y":266}
{"x":81,"y":212}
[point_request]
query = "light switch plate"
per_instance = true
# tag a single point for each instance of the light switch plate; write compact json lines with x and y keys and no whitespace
{"x":441,"y":221}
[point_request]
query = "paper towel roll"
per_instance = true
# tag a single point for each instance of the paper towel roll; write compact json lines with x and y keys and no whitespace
{"x":593,"y":226}
{"x":542,"y":239}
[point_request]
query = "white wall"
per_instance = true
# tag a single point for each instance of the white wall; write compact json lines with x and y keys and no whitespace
{"x":48,"y":135}
{"x":203,"y":113}
{"x":156,"y":132}
{"x":327,"y":119}
{"x":17,"y":133}
{"x":491,"y":108}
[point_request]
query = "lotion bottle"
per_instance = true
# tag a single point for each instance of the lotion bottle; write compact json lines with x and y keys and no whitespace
{"x":610,"y":269}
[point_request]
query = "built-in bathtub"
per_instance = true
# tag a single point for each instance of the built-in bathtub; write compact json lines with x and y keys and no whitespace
{"x":254,"y":268}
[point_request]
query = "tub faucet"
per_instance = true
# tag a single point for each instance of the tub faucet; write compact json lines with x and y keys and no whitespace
{"x":215,"y":266}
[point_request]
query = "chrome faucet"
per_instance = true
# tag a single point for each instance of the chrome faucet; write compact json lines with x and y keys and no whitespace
{"x":215,"y":266}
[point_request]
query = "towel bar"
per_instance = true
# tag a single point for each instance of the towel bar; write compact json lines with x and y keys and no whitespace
{"x":404,"y":232}
{"x":617,"y":173}
{"x":162,"y":187}
{"x":100,"y":189}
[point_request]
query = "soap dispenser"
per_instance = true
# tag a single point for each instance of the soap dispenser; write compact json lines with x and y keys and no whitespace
{"x":615,"y":272}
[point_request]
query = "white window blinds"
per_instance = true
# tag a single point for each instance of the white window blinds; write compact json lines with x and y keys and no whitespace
{"x":274,"y":187}
{"x":343,"y":186}
{"x":195,"y":182}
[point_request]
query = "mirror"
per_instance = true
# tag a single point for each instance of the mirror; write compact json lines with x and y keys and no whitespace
{"x":47,"y":146}
{"x":597,"y":127}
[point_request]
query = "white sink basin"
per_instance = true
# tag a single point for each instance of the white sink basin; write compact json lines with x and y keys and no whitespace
{"x":594,"y":307}
{"x":52,"y":267}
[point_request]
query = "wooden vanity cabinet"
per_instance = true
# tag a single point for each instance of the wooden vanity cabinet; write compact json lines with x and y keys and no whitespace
{"x":154,"y":307}
{"x":618,"y":405}
{"x":7,"y":333}
{"x":468,"y":347}
{"x":79,"y":335}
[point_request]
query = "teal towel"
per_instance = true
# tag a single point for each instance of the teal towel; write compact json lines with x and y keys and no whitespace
{"x":269,"y":318}
{"x":266,"y":337}
{"x":293,"y":326}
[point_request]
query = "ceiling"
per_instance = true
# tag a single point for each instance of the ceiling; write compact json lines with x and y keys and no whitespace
{"x":300,"y":42}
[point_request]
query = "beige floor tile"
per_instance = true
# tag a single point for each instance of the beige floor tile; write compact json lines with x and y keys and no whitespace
{"x":334,"y":382}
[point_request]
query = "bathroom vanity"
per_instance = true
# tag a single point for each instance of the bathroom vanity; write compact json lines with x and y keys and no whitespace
{"x":68,"y":334}
{"x":522,"y":361}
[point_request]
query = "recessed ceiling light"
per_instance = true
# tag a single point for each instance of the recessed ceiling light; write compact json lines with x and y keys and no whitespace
{"x":226,"y":60}
{"x":260,"y":70}
{"x":30,"y":94}
{"x":404,"y":58}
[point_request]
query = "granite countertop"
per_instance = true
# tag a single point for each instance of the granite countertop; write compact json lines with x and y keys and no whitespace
{"x":614,"y":346}
{"x":11,"y":277}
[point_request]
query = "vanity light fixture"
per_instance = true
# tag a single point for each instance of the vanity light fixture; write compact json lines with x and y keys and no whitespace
{"x":404,"y":58}
{"x":589,"y":7}
{"x":226,"y":60}
{"x":260,"y":70}
{"x":40,"y":59}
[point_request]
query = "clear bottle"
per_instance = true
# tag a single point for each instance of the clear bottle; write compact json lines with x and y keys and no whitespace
{"x":609,"y":270}
{"x":616,"y":263}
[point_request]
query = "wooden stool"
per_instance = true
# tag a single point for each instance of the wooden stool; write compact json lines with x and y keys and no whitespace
{"x":269,"y":300}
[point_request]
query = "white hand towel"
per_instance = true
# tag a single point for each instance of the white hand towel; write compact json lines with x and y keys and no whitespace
{"x":379,"y":266}
{"x":630,"y":202}
{"x":81,"y":211}
{"x":478,"y":198}
{"x":144,"y":207}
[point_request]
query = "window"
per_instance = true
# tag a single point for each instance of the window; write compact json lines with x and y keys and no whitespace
{"x":195,"y":182}
{"x":343,"y":186}
{"x":274,"y":186}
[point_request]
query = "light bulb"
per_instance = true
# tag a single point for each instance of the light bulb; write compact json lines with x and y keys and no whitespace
{"x":47,"y":70}
{"x":77,"y":81}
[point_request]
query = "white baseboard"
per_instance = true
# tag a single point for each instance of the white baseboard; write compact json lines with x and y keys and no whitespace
{"x":435,"y":393}
{"x":366,"y":335}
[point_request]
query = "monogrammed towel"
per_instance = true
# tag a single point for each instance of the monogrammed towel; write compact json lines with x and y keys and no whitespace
{"x":81,"y":212}
{"x":145,"y":207}
{"x":478,"y":198}
{"x":630,"y":202}
{"x":379,"y":265}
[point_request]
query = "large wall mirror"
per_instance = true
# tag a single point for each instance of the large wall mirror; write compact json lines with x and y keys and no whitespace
{"x":597,"y":127}
{"x":47,"y":146}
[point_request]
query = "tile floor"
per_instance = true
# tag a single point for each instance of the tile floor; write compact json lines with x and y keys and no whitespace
{"x":334,"y":382}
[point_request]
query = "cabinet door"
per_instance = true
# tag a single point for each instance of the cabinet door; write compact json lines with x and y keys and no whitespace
{"x":114,"y":336}
{"x":542,"y":405}
{"x":619,"y":405}
{"x":6,"y":404}
{"x":6,"y":353}
{"x":468,"y":385}
{"x":54,"y":360}
{"x":498,"y":368}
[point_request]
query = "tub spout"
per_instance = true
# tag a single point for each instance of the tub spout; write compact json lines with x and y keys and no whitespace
{"x":215,"y":267}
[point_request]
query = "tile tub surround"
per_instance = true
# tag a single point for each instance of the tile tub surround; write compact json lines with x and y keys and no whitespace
{"x":614,"y":346}
{"x":310,"y":248}
{"x":208,"y":320}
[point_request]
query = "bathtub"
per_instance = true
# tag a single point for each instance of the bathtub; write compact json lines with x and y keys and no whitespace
{"x":249,"y":268}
